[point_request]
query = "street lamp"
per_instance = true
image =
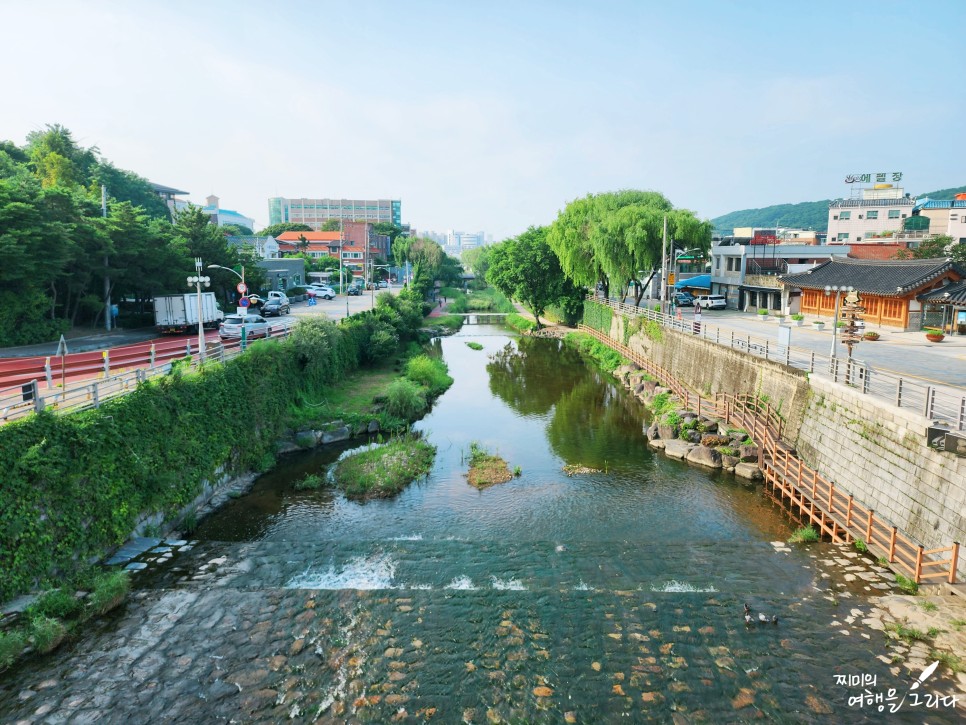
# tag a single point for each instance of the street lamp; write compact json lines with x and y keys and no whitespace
{"x":242,"y":288}
{"x":197,"y":280}
{"x":838,"y":289}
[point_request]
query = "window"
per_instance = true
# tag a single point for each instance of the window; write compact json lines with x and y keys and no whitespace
{"x":893,"y":213}
{"x":843,"y":236}
{"x":843,"y":215}
{"x":872,"y":215}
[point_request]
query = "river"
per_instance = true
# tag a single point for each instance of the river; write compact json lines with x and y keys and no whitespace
{"x":597,"y":597}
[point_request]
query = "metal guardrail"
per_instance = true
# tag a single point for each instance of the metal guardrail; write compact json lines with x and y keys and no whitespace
{"x":935,"y":403}
{"x":31,"y":396}
{"x":836,"y":513}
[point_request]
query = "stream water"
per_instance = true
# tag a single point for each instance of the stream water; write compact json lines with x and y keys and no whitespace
{"x":551,"y":598}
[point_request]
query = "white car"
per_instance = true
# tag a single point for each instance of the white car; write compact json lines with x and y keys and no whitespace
{"x":711,"y":302}
{"x":320,"y":290}
{"x":254,"y":326}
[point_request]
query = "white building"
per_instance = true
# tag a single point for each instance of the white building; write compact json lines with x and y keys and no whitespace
{"x":221,"y":217}
{"x":878,"y":212}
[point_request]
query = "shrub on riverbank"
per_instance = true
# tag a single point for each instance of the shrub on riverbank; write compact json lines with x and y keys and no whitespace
{"x":385,"y":470}
{"x":520,"y":323}
{"x":430,"y":372}
{"x":405,"y":399}
{"x":598,"y":316}
{"x":606,"y":358}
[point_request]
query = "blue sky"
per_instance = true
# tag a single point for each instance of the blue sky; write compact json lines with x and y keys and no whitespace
{"x":492,"y":116}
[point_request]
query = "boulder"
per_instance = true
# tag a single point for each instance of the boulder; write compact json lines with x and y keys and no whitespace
{"x":704,"y":456}
{"x":729,"y":462}
{"x":692,"y":436}
{"x":677,"y":449}
{"x":307,"y":439}
{"x":711,"y":425}
{"x":650,"y":386}
{"x":712,"y":440}
{"x":667,"y":432}
{"x":639,"y":390}
{"x":651,"y":432}
{"x":656,"y":443}
{"x":748,"y":453}
{"x":749,"y":471}
{"x":334,"y":436}
{"x":373,"y":426}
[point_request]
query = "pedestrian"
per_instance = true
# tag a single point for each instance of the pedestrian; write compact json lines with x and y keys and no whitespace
{"x":114,"y":314}
{"x":441,"y":304}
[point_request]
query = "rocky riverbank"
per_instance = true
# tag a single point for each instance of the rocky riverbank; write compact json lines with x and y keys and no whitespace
{"x":685,"y":435}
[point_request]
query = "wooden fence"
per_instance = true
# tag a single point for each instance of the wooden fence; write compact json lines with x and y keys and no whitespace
{"x":800,"y":489}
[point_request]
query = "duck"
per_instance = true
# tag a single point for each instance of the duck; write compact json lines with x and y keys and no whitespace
{"x":762,"y":618}
{"x":774,"y":619}
{"x":748,"y":619}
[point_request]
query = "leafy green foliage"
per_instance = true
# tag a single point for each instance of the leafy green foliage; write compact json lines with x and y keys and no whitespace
{"x":276,"y":229}
{"x":474,"y":346}
{"x":12,"y":643}
{"x":58,"y":603}
{"x":405,"y":399}
{"x":520,"y":323}
{"x":607,"y":358}
{"x":906,"y":585}
{"x":430,"y":372}
{"x":110,"y":589}
{"x":310,"y":482}
{"x":385,"y":470}
{"x":526,"y":269}
{"x":46,"y":633}
{"x":598,"y":316}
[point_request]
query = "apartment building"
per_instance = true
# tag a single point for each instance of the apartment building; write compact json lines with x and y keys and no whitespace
{"x":870,"y":215}
{"x":357,"y":243}
{"x":315,"y":212}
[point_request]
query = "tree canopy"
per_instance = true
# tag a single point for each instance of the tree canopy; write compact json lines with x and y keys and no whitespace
{"x":275,"y":229}
{"x":613,"y":238}
{"x":525,"y":268}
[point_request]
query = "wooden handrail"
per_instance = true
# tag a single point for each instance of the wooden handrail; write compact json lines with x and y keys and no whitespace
{"x":835,"y":512}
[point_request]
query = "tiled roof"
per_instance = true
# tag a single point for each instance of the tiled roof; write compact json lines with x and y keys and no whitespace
{"x":889,"y":278}
{"x":941,"y":204}
{"x":954,"y":294}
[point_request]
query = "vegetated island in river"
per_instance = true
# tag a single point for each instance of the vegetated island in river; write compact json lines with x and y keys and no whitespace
{"x":487,"y":469}
{"x":385,"y":470}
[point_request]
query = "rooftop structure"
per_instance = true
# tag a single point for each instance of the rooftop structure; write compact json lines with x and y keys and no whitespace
{"x":315,"y":212}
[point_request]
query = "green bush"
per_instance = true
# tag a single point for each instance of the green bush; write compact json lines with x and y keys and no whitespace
{"x":906,"y":585}
{"x":430,"y":372}
{"x":520,"y":323}
{"x":405,"y":399}
{"x":110,"y":589}
{"x":804,"y":535}
{"x":12,"y":643}
{"x":57,"y":603}
{"x":607,"y":358}
{"x":46,"y":633}
{"x":310,"y":482}
{"x":474,"y":346}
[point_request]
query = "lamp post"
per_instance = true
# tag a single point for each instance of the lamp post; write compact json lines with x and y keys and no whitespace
{"x":197,"y":280}
{"x":242,"y":288}
{"x":838,"y":289}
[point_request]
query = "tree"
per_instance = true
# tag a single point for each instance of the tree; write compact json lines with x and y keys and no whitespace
{"x":329,"y":225}
{"x":477,"y":261}
{"x":936,"y":248}
{"x":526,"y":269}
{"x":276,"y":229}
{"x":235,"y":230}
{"x":612,"y":238}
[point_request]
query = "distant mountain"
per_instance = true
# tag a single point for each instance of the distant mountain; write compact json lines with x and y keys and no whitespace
{"x":945,"y":193}
{"x":804,"y":215}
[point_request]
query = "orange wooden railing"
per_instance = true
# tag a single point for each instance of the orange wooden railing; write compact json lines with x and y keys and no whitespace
{"x":800,"y":489}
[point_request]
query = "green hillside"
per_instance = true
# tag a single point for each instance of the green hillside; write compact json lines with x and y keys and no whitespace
{"x":804,"y":215}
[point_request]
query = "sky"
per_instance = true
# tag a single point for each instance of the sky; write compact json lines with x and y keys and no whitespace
{"x":492,"y":116}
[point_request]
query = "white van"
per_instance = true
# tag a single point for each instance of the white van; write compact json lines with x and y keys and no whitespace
{"x":711,"y":302}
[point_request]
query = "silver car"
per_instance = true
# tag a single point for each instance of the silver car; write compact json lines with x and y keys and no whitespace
{"x":254,"y":326}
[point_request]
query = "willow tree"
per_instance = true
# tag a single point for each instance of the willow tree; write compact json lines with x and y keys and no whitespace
{"x":526,"y":269}
{"x":612,"y":238}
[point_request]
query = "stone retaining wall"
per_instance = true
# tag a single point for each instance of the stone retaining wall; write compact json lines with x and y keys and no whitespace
{"x":879,"y":454}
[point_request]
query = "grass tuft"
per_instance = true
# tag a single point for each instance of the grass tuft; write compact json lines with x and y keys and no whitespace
{"x":385,"y":470}
{"x":12,"y":643}
{"x":310,"y":482}
{"x":474,"y":346}
{"x":110,"y":589}
{"x":804,"y":535}
{"x":906,"y":585}
{"x":486,"y":469}
{"x":46,"y":633}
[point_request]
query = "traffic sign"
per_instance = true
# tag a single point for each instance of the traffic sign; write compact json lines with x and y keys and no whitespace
{"x":244,"y":302}
{"x":61,"y":347}
{"x":242,"y":288}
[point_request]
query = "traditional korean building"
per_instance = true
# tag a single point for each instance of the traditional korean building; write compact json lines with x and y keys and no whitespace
{"x":890,"y":290}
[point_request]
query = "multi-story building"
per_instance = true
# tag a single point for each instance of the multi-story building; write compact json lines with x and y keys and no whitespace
{"x":220,"y":217}
{"x":265,"y":247}
{"x":940,"y":216}
{"x":746,"y":271}
{"x":315,"y":212}
{"x":357,"y":245}
{"x":875,"y":213}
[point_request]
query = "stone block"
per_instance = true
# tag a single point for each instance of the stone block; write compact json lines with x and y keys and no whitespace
{"x":748,"y":453}
{"x":667,"y":432}
{"x":339,"y":434}
{"x":729,"y":462}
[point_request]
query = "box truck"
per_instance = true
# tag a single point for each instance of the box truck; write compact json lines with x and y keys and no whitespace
{"x":179,"y":313}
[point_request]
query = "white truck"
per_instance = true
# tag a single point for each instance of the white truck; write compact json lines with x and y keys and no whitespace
{"x":179,"y":313}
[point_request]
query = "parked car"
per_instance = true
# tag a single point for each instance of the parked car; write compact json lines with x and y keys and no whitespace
{"x":320,"y":290}
{"x":254,"y":326}
{"x":275,"y":308}
{"x":354,"y":290}
{"x":712,"y":302}
{"x":683,"y":299}
{"x":382,"y":284}
{"x":276,"y":295}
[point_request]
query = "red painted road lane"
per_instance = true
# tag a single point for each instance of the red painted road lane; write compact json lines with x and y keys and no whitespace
{"x":83,"y":365}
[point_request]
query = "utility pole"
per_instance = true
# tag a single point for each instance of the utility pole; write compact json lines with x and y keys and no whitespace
{"x":664,"y":265}
{"x":108,"y":317}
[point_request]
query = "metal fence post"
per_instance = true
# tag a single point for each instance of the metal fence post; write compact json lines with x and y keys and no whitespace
{"x":927,"y":408}
{"x":95,"y":396}
{"x":38,"y":401}
{"x":152,"y":355}
{"x":48,"y":374}
{"x":107,"y":363}
{"x":899,"y":393}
